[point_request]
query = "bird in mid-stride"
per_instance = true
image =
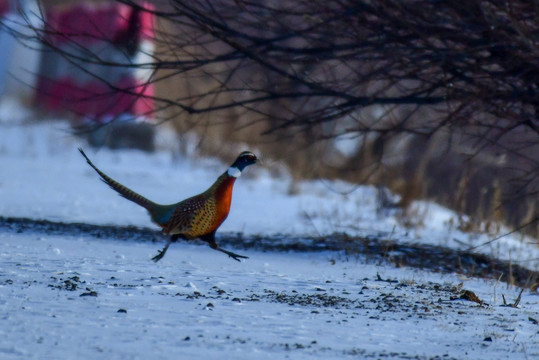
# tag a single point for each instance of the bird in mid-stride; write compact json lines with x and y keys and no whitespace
{"x":196,"y":217}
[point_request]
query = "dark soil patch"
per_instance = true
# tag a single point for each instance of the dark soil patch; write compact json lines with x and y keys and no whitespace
{"x":373,"y":248}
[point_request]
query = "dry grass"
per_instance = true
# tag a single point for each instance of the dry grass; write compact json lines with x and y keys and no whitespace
{"x":480,"y":191}
{"x":481,"y":187}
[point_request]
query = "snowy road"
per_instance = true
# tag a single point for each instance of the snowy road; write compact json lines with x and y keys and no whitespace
{"x":66,"y":297}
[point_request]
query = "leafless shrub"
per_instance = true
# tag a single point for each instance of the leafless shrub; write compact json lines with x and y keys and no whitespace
{"x":441,"y":96}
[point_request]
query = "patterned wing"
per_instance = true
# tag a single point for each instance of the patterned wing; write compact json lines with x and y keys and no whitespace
{"x":182,"y":219}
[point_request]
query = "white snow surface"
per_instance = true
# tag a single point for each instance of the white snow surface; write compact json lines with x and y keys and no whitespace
{"x":198,"y":304}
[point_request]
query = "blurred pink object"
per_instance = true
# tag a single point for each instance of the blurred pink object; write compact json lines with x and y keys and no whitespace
{"x":80,"y":82}
{"x":4,"y":7}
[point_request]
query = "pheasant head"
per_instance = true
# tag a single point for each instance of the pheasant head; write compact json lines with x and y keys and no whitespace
{"x":245,"y":159}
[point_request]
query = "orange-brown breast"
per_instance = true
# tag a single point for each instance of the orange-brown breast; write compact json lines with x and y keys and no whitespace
{"x":223,"y":197}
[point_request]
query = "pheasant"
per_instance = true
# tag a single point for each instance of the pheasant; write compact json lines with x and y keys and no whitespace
{"x":196,"y":217}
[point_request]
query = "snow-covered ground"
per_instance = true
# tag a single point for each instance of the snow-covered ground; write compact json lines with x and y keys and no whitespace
{"x":60,"y":295}
{"x":60,"y":298}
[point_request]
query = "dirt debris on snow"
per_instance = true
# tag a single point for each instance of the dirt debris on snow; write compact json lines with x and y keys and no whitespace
{"x":374,"y":249}
{"x":60,"y":293}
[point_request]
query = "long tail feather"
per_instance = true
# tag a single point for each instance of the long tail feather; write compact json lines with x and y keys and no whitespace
{"x":122,"y":190}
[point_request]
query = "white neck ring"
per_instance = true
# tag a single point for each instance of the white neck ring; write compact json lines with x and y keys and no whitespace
{"x":233,"y":171}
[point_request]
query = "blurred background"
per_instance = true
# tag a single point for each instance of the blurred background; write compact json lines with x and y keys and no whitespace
{"x":432,"y":99}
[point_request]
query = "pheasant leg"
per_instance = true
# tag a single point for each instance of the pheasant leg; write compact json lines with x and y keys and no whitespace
{"x":234,"y":256}
{"x":161,"y":253}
